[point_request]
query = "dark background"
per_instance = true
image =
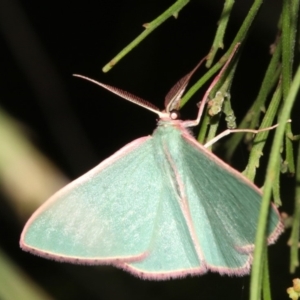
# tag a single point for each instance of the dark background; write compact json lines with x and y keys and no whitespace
{"x":77,"y":124}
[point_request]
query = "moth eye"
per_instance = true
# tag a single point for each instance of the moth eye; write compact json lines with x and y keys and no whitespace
{"x":174,"y":114}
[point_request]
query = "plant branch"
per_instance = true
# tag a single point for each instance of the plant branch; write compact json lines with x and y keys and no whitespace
{"x":149,"y":27}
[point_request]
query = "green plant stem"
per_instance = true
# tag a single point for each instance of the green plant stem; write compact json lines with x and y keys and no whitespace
{"x":260,"y":139}
{"x":276,"y":186}
{"x":266,"y":277}
{"x":287,"y":56}
{"x":203,"y":129}
{"x":149,"y":27}
{"x":256,"y":274}
{"x":214,"y":124}
{"x":240,"y":37}
{"x":222,"y":25}
{"x":251,"y":118}
{"x":289,"y":29}
{"x":294,"y":239}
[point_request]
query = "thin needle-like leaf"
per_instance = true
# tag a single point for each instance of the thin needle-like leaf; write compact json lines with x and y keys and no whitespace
{"x":294,"y":238}
{"x":149,"y":27}
{"x":222,"y":25}
{"x":256,"y":274}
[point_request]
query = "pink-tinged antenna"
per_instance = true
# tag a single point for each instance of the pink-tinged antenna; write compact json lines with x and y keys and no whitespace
{"x":172,"y":99}
{"x":127,"y":96}
{"x":191,"y":123}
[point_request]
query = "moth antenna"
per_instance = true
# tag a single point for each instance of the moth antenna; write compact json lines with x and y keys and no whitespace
{"x":125,"y":95}
{"x":172,"y":99}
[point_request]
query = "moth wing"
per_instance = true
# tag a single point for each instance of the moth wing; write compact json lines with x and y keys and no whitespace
{"x":105,"y":216}
{"x":208,"y":217}
{"x":172,"y":252}
{"x":224,"y":208}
